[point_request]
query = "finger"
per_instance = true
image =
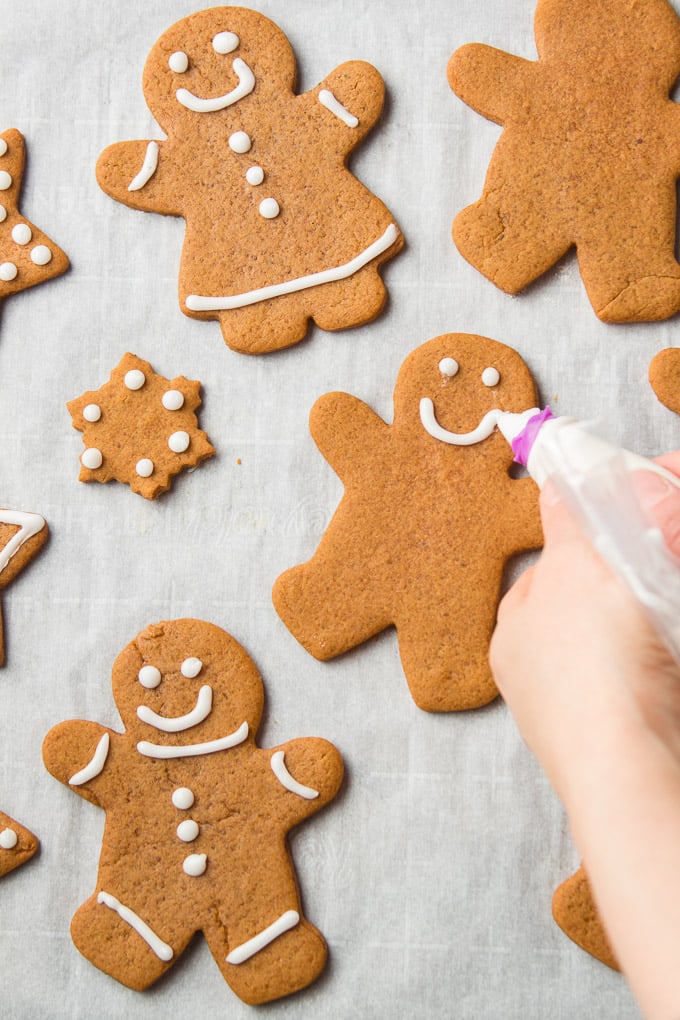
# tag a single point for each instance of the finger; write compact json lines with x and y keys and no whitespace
{"x":559,"y":523}
{"x":517,"y":594}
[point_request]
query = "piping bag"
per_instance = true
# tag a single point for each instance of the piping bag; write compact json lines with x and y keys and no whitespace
{"x":595,"y":479}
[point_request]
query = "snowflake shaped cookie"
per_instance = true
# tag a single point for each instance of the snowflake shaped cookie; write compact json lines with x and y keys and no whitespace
{"x":22,"y":535}
{"x":17,"y":844}
{"x":140,"y":428}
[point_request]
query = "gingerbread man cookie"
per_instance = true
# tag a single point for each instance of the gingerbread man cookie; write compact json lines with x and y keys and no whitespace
{"x":22,"y":535}
{"x":140,"y":428}
{"x":589,"y":154}
{"x":664,"y":377}
{"x":17,"y":844}
{"x":196,"y":817}
{"x":278,"y":231}
{"x":575,"y":912}
{"x":428,"y":520}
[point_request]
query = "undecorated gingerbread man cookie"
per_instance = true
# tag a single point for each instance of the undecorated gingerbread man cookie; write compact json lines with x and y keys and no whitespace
{"x":664,"y":377}
{"x":196,"y":817}
{"x":278,"y":231}
{"x":429,"y":518}
{"x":589,"y":154}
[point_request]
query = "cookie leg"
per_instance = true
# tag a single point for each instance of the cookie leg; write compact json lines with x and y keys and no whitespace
{"x":350,"y":302}
{"x":575,"y":912}
{"x":266,"y":326}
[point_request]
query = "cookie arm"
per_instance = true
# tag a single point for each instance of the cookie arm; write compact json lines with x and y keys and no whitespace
{"x":133,"y":173}
{"x":494,"y":83}
{"x":346,"y":431}
{"x":527,"y":531}
{"x":349,"y":101}
{"x":77,"y":753}
{"x":309,"y":773}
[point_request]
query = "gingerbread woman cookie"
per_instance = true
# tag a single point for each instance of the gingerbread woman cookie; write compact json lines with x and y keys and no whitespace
{"x":428,"y":520}
{"x":278,"y":231}
{"x":196,"y":817}
{"x":17,"y":844}
{"x":589,"y":154}
{"x":22,"y":536}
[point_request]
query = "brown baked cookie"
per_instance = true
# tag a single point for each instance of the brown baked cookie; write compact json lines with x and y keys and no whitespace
{"x":22,"y":535}
{"x":196,"y":817}
{"x":27,"y":255}
{"x":429,"y":518}
{"x":589,"y":154}
{"x":664,"y":377}
{"x":17,"y":844}
{"x":575,"y":912}
{"x":140,"y":428}
{"x":278,"y":231}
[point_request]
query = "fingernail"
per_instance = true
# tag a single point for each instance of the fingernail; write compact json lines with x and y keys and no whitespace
{"x":653,"y":488}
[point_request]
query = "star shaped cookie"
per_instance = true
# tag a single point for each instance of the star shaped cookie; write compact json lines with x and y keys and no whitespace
{"x":21,"y":537}
{"x":17,"y":844}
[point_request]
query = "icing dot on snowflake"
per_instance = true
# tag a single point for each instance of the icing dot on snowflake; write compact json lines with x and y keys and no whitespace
{"x":172,"y":400}
{"x":92,"y":458}
{"x":240,"y":142}
{"x":191,"y":667}
{"x":41,"y":255}
{"x":5,"y":180}
{"x":8,"y":839}
{"x":92,"y":412}
{"x":21,"y":233}
{"x":179,"y":442}
{"x":134,"y":379}
{"x":144,"y":467}
{"x":8,"y":272}
{"x":149,"y":677}
{"x":269,"y":208}
{"x":178,"y":62}
{"x":254,"y":175}
{"x":225,"y":42}
{"x":183,"y":798}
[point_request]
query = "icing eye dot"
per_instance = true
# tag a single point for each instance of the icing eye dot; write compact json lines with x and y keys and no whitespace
{"x":149,"y":677}
{"x":179,"y":442}
{"x":144,"y":467}
{"x":182,"y":798}
{"x":92,"y":412}
{"x":8,"y":839}
{"x":254,"y":175}
{"x":21,"y":233}
{"x":191,"y":667}
{"x":8,"y":272}
{"x":269,"y":208}
{"x":187,"y":830}
{"x":92,"y":458}
{"x":5,"y":180}
{"x":41,"y":255}
{"x":178,"y":62}
{"x":491,"y":376}
{"x":172,"y":400}
{"x":3,"y":146}
{"x":225,"y":42}
{"x":240,"y":142}
{"x":448,"y":367}
{"x":134,"y":379}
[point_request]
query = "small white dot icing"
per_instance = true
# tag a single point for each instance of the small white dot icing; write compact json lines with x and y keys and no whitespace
{"x":3,"y":146}
{"x":195,"y":865}
{"x":173,"y":400}
{"x":188,"y":830}
{"x":144,"y":467}
{"x":254,"y":175}
{"x":269,"y":208}
{"x":3,"y":214}
{"x":240,"y":142}
{"x":225,"y":42}
{"x":191,"y":667}
{"x":5,"y":180}
{"x":8,"y":272}
{"x":92,"y":458}
{"x":41,"y":255}
{"x":179,"y":442}
{"x":448,"y":366}
{"x":183,"y":798}
{"x":22,"y":233}
{"x":178,"y":62}
{"x":491,"y":376}
{"x":92,"y":412}
{"x":149,"y":677}
{"x":8,"y":839}
{"x":134,"y":379}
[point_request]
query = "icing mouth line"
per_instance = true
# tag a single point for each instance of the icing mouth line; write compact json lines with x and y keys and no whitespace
{"x":176,"y":724}
{"x":246,"y":84}
{"x":198,"y":303}
{"x":189,"y":750}
{"x":476,"y":435}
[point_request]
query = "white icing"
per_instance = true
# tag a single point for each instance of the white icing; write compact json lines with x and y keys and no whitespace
{"x":183,"y":798}
{"x":172,"y":400}
{"x":258,"y":942}
{"x":162,"y":950}
{"x":491,"y":376}
{"x":476,"y":435}
{"x":8,"y":839}
{"x":91,"y":458}
{"x":254,"y":175}
{"x":246,"y":84}
{"x":3,"y":214}
{"x":5,"y":180}
{"x":92,"y":412}
{"x":199,"y":303}
{"x":284,"y":777}
{"x":175,"y":724}
{"x":179,"y":442}
{"x":189,"y":750}
{"x":144,"y":467}
{"x":22,"y":233}
{"x":195,"y":865}
{"x":28,"y":524}
{"x":95,"y":764}
{"x":269,"y":208}
{"x":134,"y":379}
{"x":3,"y":146}
{"x":149,"y":167}
{"x":8,"y":272}
{"x":240,"y":142}
{"x":225,"y":42}
{"x":178,"y":62}
{"x":188,"y":830}
{"x":191,"y":667}
{"x":41,"y":255}
{"x":327,"y":99}
{"x":149,"y":677}
{"x":448,"y":367}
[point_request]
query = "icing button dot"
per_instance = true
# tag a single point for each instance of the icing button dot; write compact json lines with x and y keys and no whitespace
{"x":254,"y":175}
{"x":5,"y":180}
{"x":134,"y":379}
{"x":225,"y":42}
{"x":172,"y":400}
{"x":183,"y":798}
{"x":92,"y":458}
{"x":3,"y":146}
{"x":179,"y":442}
{"x":191,"y":667}
{"x":144,"y":467}
{"x":448,"y":366}
{"x":178,"y":62}
{"x":3,"y":214}
{"x":149,"y":677}
{"x":188,"y":830}
{"x":491,"y":376}
{"x":8,"y":272}
{"x":92,"y":412}
{"x":240,"y":142}
{"x":269,"y":208}
{"x":195,"y":865}
{"x":41,"y":255}
{"x":21,"y":233}
{"x":8,"y":839}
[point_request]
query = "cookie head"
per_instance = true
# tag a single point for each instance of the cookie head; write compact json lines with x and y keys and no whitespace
{"x":453,"y":388}
{"x":186,"y":682}
{"x":213,"y":60}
